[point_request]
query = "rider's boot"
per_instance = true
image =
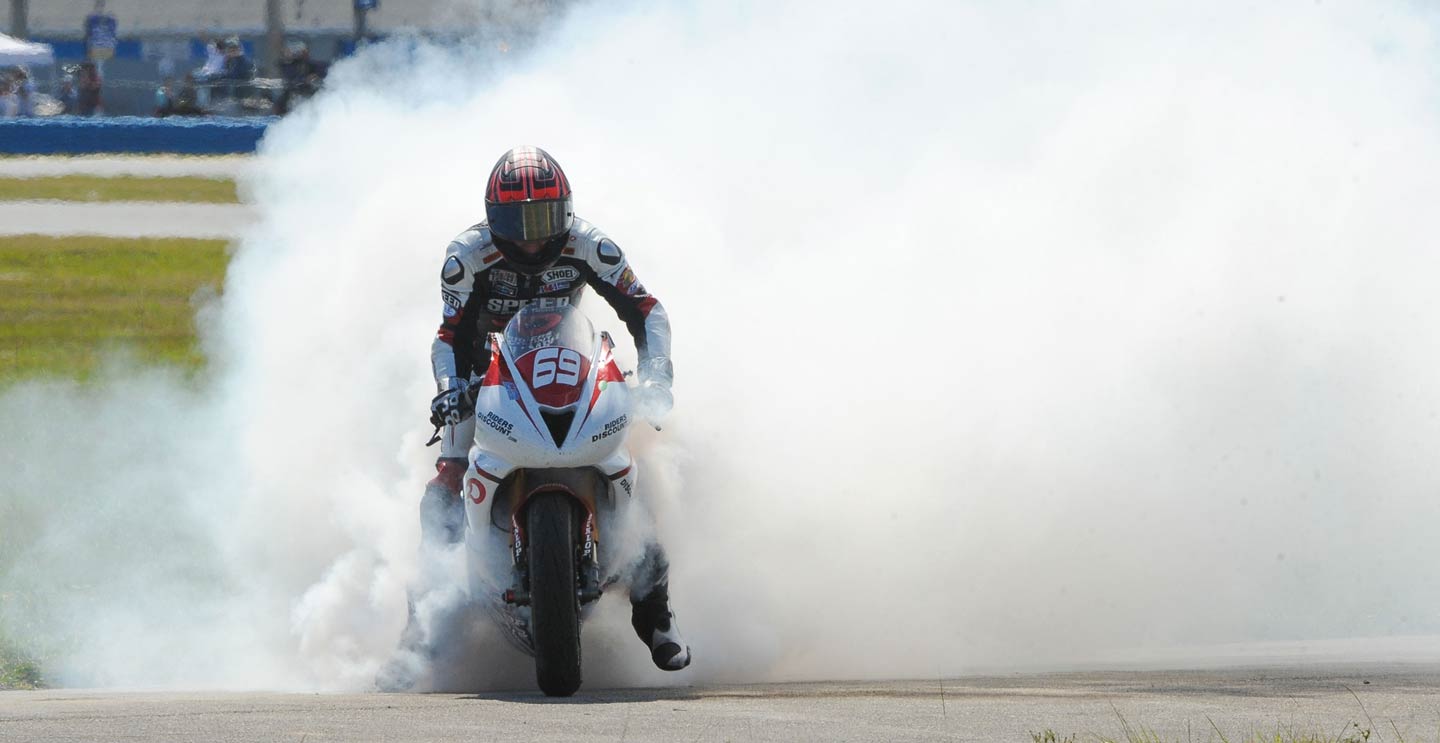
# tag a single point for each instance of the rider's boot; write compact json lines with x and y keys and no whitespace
{"x":442,"y":517}
{"x":655,"y":624}
{"x":650,"y":613}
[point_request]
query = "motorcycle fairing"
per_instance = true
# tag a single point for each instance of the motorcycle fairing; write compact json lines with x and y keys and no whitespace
{"x":492,"y":484}
{"x":511,"y":422}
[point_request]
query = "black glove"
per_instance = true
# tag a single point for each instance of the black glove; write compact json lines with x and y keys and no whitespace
{"x":452,"y":405}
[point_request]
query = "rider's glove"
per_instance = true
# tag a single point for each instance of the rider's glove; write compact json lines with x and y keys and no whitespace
{"x":452,"y":405}
{"x":653,"y":400}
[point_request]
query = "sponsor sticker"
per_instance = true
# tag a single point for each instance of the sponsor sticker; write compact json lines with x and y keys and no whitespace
{"x":560,"y":273}
{"x":626,"y":279}
{"x":498,"y":306}
{"x":502,"y":276}
{"x":499,"y":424}
{"x":556,"y":286}
{"x":589,"y":549}
{"x":611,"y":428}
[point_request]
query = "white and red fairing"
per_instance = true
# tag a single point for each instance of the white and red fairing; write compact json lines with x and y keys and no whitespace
{"x":548,"y":362}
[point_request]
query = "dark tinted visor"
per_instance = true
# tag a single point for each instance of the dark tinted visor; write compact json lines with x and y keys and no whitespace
{"x":524,"y":221}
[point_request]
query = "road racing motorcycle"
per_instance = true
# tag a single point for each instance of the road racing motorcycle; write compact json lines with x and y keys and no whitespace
{"x":549,"y":467}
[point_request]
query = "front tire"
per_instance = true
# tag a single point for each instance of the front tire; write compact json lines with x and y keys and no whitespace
{"x":554,"y":605}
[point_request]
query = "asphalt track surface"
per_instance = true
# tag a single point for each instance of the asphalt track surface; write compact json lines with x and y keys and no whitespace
{"x":124,"y":219}
{"x":1179,"y":705}
{"x":154,"y":166}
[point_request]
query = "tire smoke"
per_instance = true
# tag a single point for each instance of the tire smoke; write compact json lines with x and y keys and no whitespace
{"x":1007,"y":336}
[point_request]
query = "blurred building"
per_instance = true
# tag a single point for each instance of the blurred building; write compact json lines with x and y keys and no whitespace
{"x":140,"y":17}
{"x":160,"y":39}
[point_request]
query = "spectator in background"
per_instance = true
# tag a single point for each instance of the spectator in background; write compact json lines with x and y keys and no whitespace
{"x":238,"y":69}
{"x":178,"y":100}
{"x":214,"y":59}
{"x":212,"y":69}
{"x":24,"y":92}
{"x":87,"y":90}
{"x":65,"y":91}
{"x":9,"y":99}
{"x":301,"y":75}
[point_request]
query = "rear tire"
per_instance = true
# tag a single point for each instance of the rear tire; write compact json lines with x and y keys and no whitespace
{"x":554,"y":606}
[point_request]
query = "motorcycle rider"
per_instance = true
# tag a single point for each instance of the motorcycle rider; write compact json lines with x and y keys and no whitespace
{"x":532,"y":249}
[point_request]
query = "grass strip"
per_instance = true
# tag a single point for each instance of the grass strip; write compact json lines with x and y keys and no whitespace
{"x":66,"y":301}
{"x":90,"y":188}
{"x":17,"y":671}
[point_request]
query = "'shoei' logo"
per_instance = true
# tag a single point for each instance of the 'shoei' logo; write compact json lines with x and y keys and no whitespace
{"x":560,"y":273}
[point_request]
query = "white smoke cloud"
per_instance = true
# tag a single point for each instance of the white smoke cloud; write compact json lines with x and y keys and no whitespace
{"x":1006,"y":335}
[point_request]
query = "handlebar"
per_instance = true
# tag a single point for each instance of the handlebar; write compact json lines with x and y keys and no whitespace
{"x":473,"y":391}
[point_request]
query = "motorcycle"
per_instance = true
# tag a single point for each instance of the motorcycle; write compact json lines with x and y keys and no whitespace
{"x":549,"y":466}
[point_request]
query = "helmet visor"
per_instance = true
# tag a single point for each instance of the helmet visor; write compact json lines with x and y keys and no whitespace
{"x":526,"y":221}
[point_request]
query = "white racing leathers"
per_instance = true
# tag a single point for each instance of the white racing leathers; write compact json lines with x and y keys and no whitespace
{"x":482,"y":291}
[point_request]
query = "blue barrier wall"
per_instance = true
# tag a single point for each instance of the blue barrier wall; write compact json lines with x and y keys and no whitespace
{"x":74,"y":135}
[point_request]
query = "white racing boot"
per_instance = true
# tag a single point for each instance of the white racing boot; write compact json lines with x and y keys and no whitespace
{"x":655,"y":624}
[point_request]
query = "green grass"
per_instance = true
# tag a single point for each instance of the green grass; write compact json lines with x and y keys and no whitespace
{"x":17,"y":670}
{"x":66,"y":301}
{"x":189,"y":189}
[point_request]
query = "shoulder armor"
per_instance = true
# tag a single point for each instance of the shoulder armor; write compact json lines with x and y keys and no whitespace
{"x":473,"y":249}
{"x":587,"y":243}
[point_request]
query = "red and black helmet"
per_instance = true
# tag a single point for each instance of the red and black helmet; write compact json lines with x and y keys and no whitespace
{"x":527,"y":200}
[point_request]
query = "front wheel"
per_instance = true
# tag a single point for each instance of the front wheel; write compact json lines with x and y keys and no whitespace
{"x":554,"y":605}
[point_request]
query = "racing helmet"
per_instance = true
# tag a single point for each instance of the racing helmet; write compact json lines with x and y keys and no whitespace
{"x":527,"y":200}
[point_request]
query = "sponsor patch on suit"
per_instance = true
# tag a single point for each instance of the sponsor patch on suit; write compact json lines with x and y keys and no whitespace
{"x":560,"y":273}
{"x":502,"y":276}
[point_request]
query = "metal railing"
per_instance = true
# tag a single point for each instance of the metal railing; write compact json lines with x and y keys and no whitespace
{"x":260,"y":96}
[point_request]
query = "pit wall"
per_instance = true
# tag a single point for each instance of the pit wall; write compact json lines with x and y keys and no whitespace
{"x":74,"y":135}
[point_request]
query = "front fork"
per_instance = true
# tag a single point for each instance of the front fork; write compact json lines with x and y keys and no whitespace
{"x":588,"y":584}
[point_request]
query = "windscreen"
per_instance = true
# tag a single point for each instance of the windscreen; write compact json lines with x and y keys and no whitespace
{"x":551,"y":348}
{"x":533,"y":327}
